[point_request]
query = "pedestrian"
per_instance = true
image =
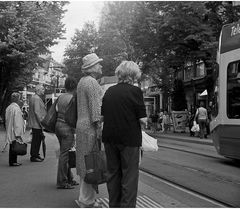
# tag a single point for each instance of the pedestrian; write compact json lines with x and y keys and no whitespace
{"x":123,"y":110}
{"x":65,"y":135}
{"x":201,"y":118}
{"x":160,"y":119}
{"x":165,"y":122}
{"x":37,"y":112}
{"x":88,"y":130}
{"x":154,"y":118}
{"x":14,"y":126}
{"x":25,"y":117}
{"x":190,"y":123}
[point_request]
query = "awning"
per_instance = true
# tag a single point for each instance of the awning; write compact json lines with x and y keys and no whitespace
{"x":204,"y":93}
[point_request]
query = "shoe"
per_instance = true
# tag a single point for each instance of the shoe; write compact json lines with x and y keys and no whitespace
{"x":40,"y":158}
{"x":65,"y":186}
{"x":93,"y":205}
{"x":35,"y":160}
{"x":15,"y":164}
{"x":73,"y":183}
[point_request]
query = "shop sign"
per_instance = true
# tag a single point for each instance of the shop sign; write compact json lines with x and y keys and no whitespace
{"x":180,"y":120}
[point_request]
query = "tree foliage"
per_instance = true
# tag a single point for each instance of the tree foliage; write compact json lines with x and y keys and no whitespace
{"x":162,"y":35}
{"x":27,"y":29}
{"x":85,"y":41}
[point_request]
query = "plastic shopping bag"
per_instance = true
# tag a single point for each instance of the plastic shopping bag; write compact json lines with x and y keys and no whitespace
{"x":195,"y":127}
{"x":149,"y":144}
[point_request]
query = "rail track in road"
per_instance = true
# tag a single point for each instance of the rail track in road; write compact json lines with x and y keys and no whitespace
{"x":191,"y":152}
{"x":211,"y":200}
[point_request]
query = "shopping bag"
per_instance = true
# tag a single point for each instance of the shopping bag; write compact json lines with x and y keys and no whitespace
{"x":19,"y":148}
{"x":195,"y":127}
{"x":50,"y":119}
{"x":96,"y":166}
{"x":148,"y":143}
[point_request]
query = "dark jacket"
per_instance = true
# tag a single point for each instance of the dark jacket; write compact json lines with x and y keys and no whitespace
{"x":122,"y":108}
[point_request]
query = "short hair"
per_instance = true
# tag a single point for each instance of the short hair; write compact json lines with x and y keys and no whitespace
{"x":15,"y":97}
{"x":128,"y":71}
{"x":70,"y":84}
{"x":38,"y":88}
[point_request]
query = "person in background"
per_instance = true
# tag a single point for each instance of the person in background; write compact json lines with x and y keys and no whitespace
{"x":154,"y":118}
{"x":165,"y":122}
{"x":37,"y":112}
{"x":88,"y":130}
{"x":25,"y":117}
{"x":201,"y":116}
{"x":123,"y":110}
{"x":14,"y":126}
{"x":65,"y":135}
{"x":190,"y":123}
{"x":160,"y":119}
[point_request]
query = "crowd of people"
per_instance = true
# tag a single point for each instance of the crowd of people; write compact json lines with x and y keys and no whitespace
{"x":115,"y":117}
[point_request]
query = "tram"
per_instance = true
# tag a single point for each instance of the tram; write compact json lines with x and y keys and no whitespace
{"x":225,"y":124}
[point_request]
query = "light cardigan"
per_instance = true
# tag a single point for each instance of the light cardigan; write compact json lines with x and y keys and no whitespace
{"x":14,"y":122}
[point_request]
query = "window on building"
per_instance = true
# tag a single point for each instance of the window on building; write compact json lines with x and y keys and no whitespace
{"x":200,"y":70}
{"x":233,"y":90}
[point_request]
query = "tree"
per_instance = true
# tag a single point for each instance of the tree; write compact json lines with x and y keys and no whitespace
{"x":115,"y":43}
{"x":85,"y":41}
{"x":179,"y":102}
{"x":27,"y":29}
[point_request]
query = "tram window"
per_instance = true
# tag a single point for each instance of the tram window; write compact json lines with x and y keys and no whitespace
{"x":233,"y":90}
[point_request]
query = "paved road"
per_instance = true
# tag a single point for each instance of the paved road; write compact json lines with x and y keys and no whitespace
{"x":34,"y":184}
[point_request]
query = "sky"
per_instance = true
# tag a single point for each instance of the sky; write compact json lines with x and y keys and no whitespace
{"x":78,"y":13}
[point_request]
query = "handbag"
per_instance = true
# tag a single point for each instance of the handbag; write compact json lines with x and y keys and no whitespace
{"x":96,"y":167}
{"x":149,"y":144}
{"x":19,"y":148}
{"x":72,"y":158}
{"x":71,"y":112}
{"x":50,"y":119}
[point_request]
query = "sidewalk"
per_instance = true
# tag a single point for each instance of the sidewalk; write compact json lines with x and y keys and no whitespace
{"x":184,"y":137}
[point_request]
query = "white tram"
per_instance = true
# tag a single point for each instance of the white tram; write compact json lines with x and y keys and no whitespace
{"x":225,"y":124}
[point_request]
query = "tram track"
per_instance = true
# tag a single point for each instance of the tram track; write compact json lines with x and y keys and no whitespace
{"x":190,"y":152}
{"x":174,"y":184}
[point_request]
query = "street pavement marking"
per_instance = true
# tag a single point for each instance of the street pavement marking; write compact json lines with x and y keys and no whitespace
{"x":142,"y":202}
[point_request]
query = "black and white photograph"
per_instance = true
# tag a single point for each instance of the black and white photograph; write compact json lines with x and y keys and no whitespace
{"x":119,"y":104}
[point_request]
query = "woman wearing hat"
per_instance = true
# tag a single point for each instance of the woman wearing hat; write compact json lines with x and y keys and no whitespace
{"x":89,"y":99}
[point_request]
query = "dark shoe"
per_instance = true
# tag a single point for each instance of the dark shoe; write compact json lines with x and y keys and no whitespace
{"x":66,"y":186}
{"x":15,"y":164}
{"x":73,"y":183}
{"x":35,"y":160}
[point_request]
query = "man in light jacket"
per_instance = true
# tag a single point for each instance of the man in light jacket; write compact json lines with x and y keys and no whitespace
{"x":14,"y":126}
{"x":37,"y":112}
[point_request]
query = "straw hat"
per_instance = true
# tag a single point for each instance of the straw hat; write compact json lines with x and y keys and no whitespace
{"x":90,"y":60}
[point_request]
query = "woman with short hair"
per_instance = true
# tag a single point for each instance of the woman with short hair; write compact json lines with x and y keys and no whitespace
{"x":123,"y":109}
